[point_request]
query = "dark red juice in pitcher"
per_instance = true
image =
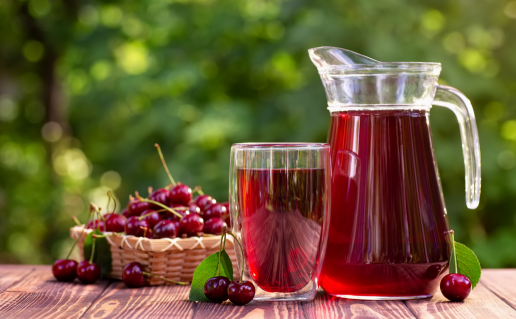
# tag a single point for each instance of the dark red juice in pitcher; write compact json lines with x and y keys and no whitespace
{"x":388,"y":225}
{"x":282,"y":211}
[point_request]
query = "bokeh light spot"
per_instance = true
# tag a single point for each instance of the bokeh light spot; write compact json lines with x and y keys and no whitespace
{"x":111,"y":15}
{"x":433,"y":20}
{"x":8,"y":109}
{"x":100,"y":70}
{"x":33,"y":50}
{"x":506,"y":160}
{"x":510,"y":9}
{"x":509,"y":130}
{"x":454,"y":42}
{"x":132,"y":57}
{"x":52,"y":131}
{"x":111,"y":180}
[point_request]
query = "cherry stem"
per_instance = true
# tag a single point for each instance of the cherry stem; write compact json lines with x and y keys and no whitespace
{"x":454,"y":254}
{"x":222,"y":239}
{"x":76,"y":220}
{"x":165,"y":279}
{"x":92,"y":249}
{"x":143,"y":216}
{"x":242,"y":249}
{"x":165,"y":164}
{"x":82,"y":232}
{"x":110,"y":195}
{"x":198,"y":189}
{"x":159,"y":204}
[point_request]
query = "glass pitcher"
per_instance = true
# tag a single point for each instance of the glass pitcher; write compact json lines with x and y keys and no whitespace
{"x":389,"y":234}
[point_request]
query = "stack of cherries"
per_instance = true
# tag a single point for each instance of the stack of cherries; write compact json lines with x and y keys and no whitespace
{"x":168,"y":212}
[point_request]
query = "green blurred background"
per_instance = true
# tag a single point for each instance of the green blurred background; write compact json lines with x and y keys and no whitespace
{"x":88,"y":87}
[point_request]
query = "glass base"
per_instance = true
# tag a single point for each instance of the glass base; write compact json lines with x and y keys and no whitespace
{"x":305,"y":294}
{"x":359,"y":297}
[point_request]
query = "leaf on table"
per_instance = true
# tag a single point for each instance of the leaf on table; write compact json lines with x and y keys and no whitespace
{"x":102,"y":256}
{"x":207,"y":269}
{"x":467,"y":263}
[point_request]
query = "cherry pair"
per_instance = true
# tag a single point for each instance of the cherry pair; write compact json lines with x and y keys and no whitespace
{"x":220,"y":289}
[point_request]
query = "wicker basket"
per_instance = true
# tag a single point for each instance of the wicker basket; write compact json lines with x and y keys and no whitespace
{"x":175,"y":259}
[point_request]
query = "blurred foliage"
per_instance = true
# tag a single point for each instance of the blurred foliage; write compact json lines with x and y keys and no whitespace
{"x":88,"y":87}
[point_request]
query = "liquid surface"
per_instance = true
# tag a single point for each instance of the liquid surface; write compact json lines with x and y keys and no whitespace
{"x":282,"y":211}
{"x":388,"y":225}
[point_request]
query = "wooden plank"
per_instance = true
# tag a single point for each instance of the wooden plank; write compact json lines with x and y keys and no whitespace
{"x":326,"y":306}
{"x":502,"y":282}
{"x":39,"y":295}
{"x":9,"y":275}
{"x":481,"y":303}
{"x":147,"y":302}
{"x":254,"y":310}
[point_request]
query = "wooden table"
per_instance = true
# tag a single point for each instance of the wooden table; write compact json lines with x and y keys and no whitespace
{"x":32,"y":292}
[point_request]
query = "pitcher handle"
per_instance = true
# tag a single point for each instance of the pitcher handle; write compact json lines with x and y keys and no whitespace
{"x":456,"y":101}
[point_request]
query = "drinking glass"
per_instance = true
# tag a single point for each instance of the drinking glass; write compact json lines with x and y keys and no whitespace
{"x":279,"y":204}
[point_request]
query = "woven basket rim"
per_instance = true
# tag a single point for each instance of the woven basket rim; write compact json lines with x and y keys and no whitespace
{"x":156,"y":245}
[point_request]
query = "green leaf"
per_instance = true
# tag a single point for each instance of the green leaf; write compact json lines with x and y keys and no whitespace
{"x":102,"y":256}
{"x":208,"y":269}
{"x":467,"y":263}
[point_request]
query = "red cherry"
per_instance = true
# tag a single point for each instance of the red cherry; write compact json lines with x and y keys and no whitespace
{"x":455,"y":287}
{"x":192,"y":208}
{"x":214,"y":226}
{"x":180,"y":209}
{"x":204,"y":200}
{"x":151,"y":217}
{"x":95,"y":223}
{"x":161,"y":196}
{"x":216,"y":289}
{"x":115,"y":223}
{"x":136,"y":207}
{"x":214,"y":210}
{"x":133,"y":275}
{"x":226,"y":204}
{"x":165,"y":229}
{"x":65,"y":270}
{"x":136,"y":227}
{"x":125,"y":213}
{"x":88,"y":273}
{"x":191,"y":225}
{"x":241,"y":293}
{"x":180,"y":194}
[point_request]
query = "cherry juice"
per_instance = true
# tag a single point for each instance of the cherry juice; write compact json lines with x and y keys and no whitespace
{"x":281,"y":216}
{"x":388,"y":232}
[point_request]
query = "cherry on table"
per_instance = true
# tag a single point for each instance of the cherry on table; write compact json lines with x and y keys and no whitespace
{"x":216,"y":289}
{"x":88,"y":273}
{"x":165,"y":229}
{"x":213,"y":211}
{"x":95,"y":223}
{"x":132,"y":275}
{"x":241,"y":293}
{"x":455,"y":287}
{"x":161,"y":196}
{"x":151,"y":217}
{"x":115,"y":223}
{"x":180,"y":194}
{"x":136,"y":227}
{"x":214,"y":226}
{"x":65,"y":270}
{"x":191,"y":225}
{"x":204,"y":200}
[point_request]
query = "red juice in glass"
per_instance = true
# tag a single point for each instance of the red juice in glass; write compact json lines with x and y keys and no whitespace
{"x":388,"y":230}
{"x":281,"y":212}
